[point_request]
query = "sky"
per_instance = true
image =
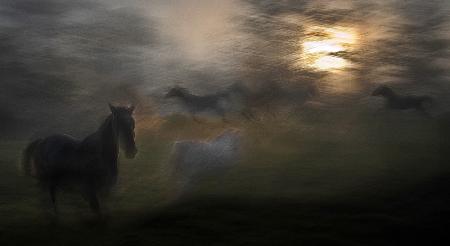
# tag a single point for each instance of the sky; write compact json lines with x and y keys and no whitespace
{"x":63,"y":61}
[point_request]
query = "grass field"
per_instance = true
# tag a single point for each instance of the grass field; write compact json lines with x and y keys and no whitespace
{"x":320,"y":179}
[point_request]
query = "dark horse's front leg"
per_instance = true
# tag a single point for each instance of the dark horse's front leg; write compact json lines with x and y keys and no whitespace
{"x":91,"y":196}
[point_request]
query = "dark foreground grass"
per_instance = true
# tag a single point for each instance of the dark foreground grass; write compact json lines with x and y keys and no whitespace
{"x":238,"y":221}
{"x":327,"y":181}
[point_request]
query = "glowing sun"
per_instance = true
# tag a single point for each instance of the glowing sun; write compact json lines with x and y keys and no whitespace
{"x":324,"y":48}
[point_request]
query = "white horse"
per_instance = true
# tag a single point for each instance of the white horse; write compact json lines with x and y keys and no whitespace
{"x":192,"y":160}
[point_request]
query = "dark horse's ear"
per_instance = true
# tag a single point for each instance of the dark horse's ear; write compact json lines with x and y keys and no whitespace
{"x":130,"y":109}
{"x":112,"y":108}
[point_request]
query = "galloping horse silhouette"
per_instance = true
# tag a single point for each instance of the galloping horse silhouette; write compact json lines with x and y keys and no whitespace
{"x":400,"y":102}
{"x":196,"y":104}
{"x":91,"y":163}
{"x":234,"y":98}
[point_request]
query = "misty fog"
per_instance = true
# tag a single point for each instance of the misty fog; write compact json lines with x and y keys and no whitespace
{"x":313,"y":133}
{"x":63,"y":60}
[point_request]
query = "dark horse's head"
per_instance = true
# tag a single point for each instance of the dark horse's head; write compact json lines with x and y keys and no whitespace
{"x":176,"y":91}
{"x":123,"y":122}
{"x":382,"y":91}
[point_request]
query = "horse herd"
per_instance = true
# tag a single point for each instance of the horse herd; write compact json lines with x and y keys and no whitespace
{"x":92,"y":163}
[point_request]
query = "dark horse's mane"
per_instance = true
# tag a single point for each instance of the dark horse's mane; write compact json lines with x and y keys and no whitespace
{"x":91,"y":162}
{"x":108,"y":138}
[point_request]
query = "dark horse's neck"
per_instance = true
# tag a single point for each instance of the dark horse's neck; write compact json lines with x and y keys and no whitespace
{"x":109,"y":145}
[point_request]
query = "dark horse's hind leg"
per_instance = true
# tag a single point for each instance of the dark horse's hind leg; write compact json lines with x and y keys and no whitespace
{"x":52,"y":191}
{"x":48,"y":199}
{"x":49,"y":190}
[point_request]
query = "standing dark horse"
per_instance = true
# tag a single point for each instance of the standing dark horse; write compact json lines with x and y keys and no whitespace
{"x":92,"y":163}
{"x":395,"y":101}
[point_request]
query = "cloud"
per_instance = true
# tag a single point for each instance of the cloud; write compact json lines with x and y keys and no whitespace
{"x":411,"y":39}
{"x":58,"y":54}
{"x":64,"y":60}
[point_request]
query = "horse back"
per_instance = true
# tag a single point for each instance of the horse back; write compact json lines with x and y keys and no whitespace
{"x":60,"y":144}
{"x":58,"y":151}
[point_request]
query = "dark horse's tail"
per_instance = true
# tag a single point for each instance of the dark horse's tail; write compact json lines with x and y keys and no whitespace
{"x":29,"y":156}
